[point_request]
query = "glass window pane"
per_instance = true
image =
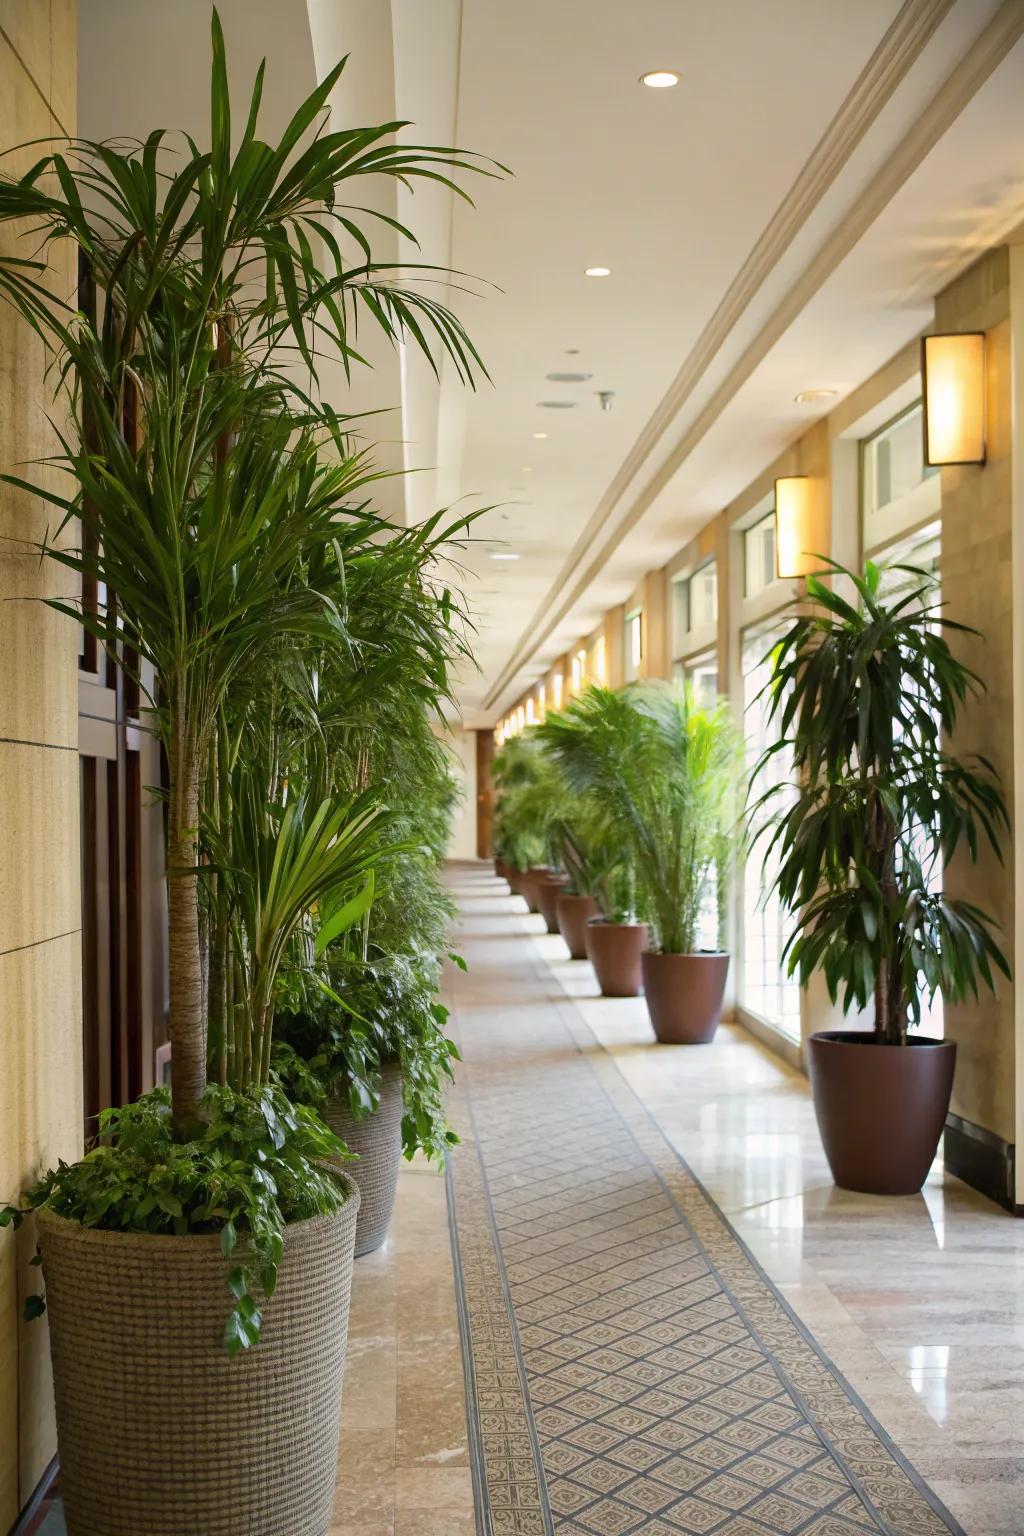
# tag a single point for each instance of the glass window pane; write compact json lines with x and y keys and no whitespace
{"x":765,"y":989}
{"x":759,"y":555}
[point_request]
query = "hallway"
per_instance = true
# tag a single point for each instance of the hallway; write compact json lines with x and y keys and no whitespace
{"x":914,"y":1301}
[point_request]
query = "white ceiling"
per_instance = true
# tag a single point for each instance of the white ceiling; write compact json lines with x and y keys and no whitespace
{"x":779,"y":220}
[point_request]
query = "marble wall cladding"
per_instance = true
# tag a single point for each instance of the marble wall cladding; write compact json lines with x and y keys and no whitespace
{"x":40,"y":912}
{"x":977,"y":588}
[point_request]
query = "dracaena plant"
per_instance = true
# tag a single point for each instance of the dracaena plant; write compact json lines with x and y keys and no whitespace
{"x":205,"y":501}
{"x":864,"y":692}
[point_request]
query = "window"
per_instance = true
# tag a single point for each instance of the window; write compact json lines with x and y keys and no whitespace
{"x":634,"y":643}
{"x":694,"y":608}
{"x":897,"y":489}
{"x":556,"y":691}
{"x":922,"y":549}
{"x":542,"y":701}
{"x":765,"y":988}
{"x":759,"y":555}
{"x":701,"y":672}
{"x":600,"y":662}
{"x":579,"y":670}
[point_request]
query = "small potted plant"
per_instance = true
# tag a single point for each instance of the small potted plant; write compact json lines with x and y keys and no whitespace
{"x":368,"y":1052}
{"x":585,"y":741}
{"x":864,"y":693}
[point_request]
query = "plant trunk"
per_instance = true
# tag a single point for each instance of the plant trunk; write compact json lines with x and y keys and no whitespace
{"x":184,"y":959}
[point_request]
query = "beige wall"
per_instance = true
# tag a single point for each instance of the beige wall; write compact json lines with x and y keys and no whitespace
{"x":977,"y":585}
{"x":40,"y":965}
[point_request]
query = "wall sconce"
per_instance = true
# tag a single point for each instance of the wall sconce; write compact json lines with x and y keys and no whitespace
{"x":953,"y":374}
{"x":793,"y":527}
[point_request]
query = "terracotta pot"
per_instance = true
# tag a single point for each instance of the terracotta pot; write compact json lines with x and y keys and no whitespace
{"x":158,"y":1431}
{"x":548,"y":890}
{"x":501,"y":869}
{"x":614,"y":950}
{"x":515,"y":878}
{"x":574,"y":912}
{"x":880,"y":1108}
{"x":377,"y":1142}
{"x":531,"y":880}
{"x":684,"y":996}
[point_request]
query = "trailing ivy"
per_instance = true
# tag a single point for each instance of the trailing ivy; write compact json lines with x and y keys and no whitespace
{"x":258,"y":1165}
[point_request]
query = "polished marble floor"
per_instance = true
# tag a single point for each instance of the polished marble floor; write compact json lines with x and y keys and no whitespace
{"x":919,"y":1301}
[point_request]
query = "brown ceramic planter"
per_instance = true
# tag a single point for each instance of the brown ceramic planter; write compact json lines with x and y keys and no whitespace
{"x":574,"y":912}
{"x":880,"y":1108}
{"x":515,"y":878}
{"x":614,"y":950}
{"x":684,"y":996}
{"x":530,"y":880}
{"x":501,"y":869}
{"x":548,"y":891}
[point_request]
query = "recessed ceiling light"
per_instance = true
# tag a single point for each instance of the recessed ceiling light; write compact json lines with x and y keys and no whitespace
{"x":540,"y":435}
{"x":598,"y":272}
{"x":808,"y":396}
{"x":659,"y":79}
{"x":525,"y":469}
{"x":503,"y":554}
{"x":557,"y":405}
{"x":569,"y":378}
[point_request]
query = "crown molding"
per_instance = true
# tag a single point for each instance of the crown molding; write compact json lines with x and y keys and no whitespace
{"x":889,"y":64}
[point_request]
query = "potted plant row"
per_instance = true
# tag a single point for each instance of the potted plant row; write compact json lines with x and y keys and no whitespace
{"x":866,"y":693}
{"x":197,"y":1260}
{"x":666,"y":772}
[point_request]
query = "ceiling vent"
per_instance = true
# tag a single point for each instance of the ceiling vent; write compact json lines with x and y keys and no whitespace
{"x":557,"y":405}
{"x":569,"y":378}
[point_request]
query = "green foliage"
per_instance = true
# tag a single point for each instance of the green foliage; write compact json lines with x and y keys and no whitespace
{"x":258,"y":1165}
{"x":331,"y":1044}
{"x":518,"y":838}
{"x":862,"y":692}
{"x":665,"y":774}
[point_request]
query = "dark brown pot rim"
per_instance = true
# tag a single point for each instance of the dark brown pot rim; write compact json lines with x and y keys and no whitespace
{"x":689,"y":954}
{"x":868,"y":1037}
{"x":606,"y":922}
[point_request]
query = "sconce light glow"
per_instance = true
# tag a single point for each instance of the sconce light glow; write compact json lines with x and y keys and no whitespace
{"x":598,"y":272}
{"x":659,"y":79}
{"x":953,"y":374}
{"x":793,"y":527}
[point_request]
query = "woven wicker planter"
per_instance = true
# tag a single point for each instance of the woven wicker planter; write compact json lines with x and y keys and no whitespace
{"x":377,"y":1141}
{"x":159,"y":1433}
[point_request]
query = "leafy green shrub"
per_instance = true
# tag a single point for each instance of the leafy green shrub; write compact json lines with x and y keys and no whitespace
{"x":381,"y":1011}
{"x":258,"y":1165}
{"x":862,"y":692}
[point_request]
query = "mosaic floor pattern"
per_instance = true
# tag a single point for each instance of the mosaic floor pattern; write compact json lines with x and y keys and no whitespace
{"x":630,"y":1369}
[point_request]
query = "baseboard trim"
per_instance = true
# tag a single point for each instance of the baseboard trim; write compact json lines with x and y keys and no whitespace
{"x":983,"y":1160}
{"x":26,"y":1519}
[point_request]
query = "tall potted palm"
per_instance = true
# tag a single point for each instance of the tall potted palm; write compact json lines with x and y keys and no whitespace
{"x":864,"y":692}
{"x":668,"y":771}
{"x":210,"y":510}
